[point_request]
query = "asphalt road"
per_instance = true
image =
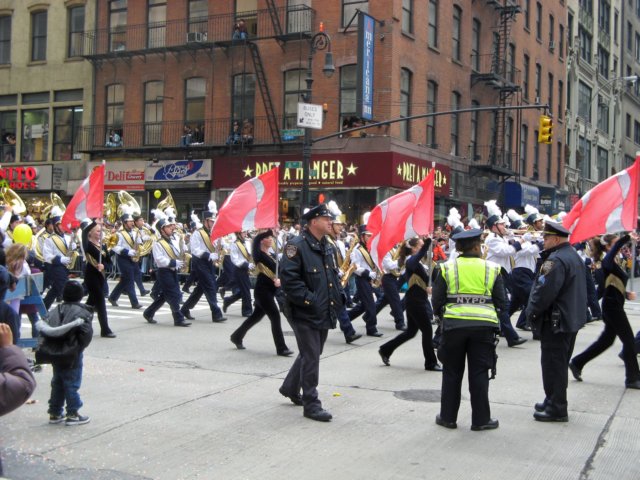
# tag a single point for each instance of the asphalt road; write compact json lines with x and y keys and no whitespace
{"x":182,"y":403}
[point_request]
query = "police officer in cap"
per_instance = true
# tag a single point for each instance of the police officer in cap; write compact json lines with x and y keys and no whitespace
{"x":313,"y":298}
{"x":468,"y":294}
{"x":557,"y":309}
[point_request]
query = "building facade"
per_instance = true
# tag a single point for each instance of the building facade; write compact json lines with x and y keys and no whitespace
{"x":629,"y":105}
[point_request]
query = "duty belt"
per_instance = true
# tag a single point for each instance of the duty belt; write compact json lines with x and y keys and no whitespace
{"x":470,"y":299}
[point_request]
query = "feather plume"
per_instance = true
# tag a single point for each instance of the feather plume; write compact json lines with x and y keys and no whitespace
{"x":530,"y":209}
{"x":213,"y":207}
{"x":473,"y":223}
{"x":493,"y":208}
{"x":334,"y":209}
{"x":513,"y":215}
{"x":365,"y":217}
{"x":56,"y":211}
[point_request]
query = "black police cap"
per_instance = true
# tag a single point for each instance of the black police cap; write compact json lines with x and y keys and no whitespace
{"x":318,"y":211}
{"x":555,"y":228}
{"x":467,"y":234}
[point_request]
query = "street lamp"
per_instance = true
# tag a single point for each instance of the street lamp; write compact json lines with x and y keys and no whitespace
{"x":630,"y":79}
{"x":320,"y":41}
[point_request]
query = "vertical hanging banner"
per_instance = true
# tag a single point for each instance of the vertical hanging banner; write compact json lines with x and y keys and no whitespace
{"x":364,"y":85}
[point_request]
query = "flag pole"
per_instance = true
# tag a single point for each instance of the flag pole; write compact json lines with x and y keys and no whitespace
{"x":430,"y":253}
{"x":102,"y":223}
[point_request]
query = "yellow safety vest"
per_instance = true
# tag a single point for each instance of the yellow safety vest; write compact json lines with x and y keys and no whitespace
{"x":470,"y":281}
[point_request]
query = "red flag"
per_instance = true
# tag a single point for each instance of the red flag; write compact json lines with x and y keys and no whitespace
{"x":87,"y":202}
{"x":254,"y":204}
{"x":400,"y":217}
{"x":610,"y":206}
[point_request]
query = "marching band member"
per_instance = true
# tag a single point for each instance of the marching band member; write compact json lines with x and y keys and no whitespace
{"x":96,"y":257}
{"x":501,"y":251}
{"x":365,"y":273}
{"x":267,"y":285}
{"x":333,"y":238}
{"x":454,"y":220}
{"x":419,"y":311}
{"x":127,"y":247}
{"x":56,"y":251}
{"x":167,"y":255}
{"x":533,"y":218}
{"x":203,"y":257}
{"x":241,"y":258}
{"x":138,"y":225}
{"x":392,"y":280}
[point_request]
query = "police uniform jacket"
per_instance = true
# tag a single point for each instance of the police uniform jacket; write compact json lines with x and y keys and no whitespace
{"x":310,"y":282}
{"x":561,"y":283}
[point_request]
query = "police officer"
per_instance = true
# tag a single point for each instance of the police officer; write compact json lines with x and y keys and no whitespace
{"x":313,"y":297}
{"x":56,"y":252}
{"x":203,"y":256}
{"x":240,"y":255}
{"x":468,"y":293}
{"x":557,"y":309}
{"x":166,"y":253}
{"x":126,"y":249}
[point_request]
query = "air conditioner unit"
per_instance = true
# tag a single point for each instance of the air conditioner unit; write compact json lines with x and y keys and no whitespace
{"x":552,"y":45}
{"x":193,"y":37}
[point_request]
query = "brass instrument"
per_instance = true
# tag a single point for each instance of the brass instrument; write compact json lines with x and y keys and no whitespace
{"x":166,"y":202}
{"x":136,"y":247}
{"x":36,"y":245}
{"x":347,"y":268}
{"x":111,"y":241}
{"x":184,"y":256}
{"x":73,"y":256}
{"x":9,"y":197}
{"x":56,"y":201}
{"x":110,"y":210}
{"x":125,"y":198}
{"x":147,"y":245}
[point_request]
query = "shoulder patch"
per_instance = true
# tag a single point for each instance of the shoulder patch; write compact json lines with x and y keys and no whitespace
{"x":290,"y":250}
{"x":546,"y":267}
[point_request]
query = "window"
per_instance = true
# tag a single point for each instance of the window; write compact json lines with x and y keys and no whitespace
{"x":38,"y":36}
{"x":349,"y":8}
{"x":195,"y":92}
{"x":627,"y":126}
{"x":552,"y":28}
{"x":294,"y":89}
{"x":153,"y":100}
{"x":67,"y":122}
{"x":5,"y":40}
{"x":561,"y":41}
{"x":456,"y":30}
{"x":629,"y":36}
{"x":298,"y":18}
{"x":636,"y":132}
{"x":637,"y":49}
{"x":115,"y":106}
{"x":559,"y":151}
{"x":475,"y":45}
{"x":348,"y":80}
{"x":473,"y":137}
{"x":432,"y":101}
{"x":525,"y":77}
{"x":604,"y":16}
{"x":198,"y":11}
{"x":584,"y":149}
{"x":524,"y":145}
{"x":603,"y":114}
{"x":549,"y":164}
{"x":570,"y":29}
{"x":8,"y":137}
{"x":616,"y":20}
{"x":603,"y":164}
{"x":538,"y":80}
{"x":584,"y":101}
{"x":35,"y":135}
{"x":585,"y":44}
{"x":560,"y":112}
{"x":432,"y":39}
{"x":550,"y":84}
{"x":407,"y":16}
{"x":603,"y":62}
{"x":455,"y":124}
{"x":243,"y":97}
{"x":536,"y":157}
{"x":76,"y":32}
{"x":527,"y":16}
{"x":405,"y":103}
{"x":156,"y":23}
{"x":117,"y":25}
{"x":511,"y":63}
{"x":538,"y":21}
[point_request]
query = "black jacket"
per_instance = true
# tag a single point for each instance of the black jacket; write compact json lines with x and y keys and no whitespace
{"x":561,"y":284}
{"x":61,"y":347}
{"x":310,"y":282}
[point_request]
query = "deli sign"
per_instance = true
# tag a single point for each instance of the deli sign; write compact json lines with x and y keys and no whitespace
{"x":26,"y":177}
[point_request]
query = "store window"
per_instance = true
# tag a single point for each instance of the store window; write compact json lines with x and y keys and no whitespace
{"x":35,"y":135}
{"x":8,"y":137}
{"x":38,"y":36}
{"x":76,"y":32}
{"x":294,"y":89}
{"x":66,"y":132}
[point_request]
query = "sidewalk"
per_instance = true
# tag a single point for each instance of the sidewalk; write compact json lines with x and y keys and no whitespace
{"x":183,"y":403}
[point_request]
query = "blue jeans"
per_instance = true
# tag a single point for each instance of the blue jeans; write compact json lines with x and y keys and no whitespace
{"x":64,"y":387}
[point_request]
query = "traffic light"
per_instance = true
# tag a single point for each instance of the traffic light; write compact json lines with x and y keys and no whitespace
{"x":545,"y":130}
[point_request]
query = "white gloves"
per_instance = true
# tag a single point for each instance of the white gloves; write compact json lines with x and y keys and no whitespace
{"x":251,"y":266}
{"x":179,"y":264}
{"x":65,"y":260}
{"x":373,"y":276}
{"x":527,"y":237}
{"x":213,"y":257}
{"x":132,"y":253}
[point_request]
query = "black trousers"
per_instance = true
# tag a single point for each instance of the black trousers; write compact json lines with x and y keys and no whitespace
{"x":58,"y":274}
{"x":265,"y":304}
{"x":419,"y":316}
{"x":168,"y":290}
{"x":242,"y":282}
{"x":616,"y":323}
{"x":94,"y":281}
{"x":305,"y":371}
{"x":505,"y":319}
{"x":521,"y":284}
{"x":202,"y":270}
{"x":555,"y":352}
{"x":367,"y":304}
{"x":476,"y":346}
{"x":127,"y":280}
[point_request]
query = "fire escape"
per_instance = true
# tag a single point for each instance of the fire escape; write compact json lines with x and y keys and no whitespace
{"x":497,"y":70}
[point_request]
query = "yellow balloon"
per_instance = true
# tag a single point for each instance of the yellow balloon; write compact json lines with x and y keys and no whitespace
{"x":157,"y":194}
{"x":22,"y":234}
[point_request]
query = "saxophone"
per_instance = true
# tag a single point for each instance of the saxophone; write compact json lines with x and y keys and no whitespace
{"x":73,"y":256}
{"x":184,"y":256}
{"x":347,"y":268}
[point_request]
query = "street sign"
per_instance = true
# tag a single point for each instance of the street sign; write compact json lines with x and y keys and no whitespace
{"x":313,"y":173}
{"x":293,"y":132}
{"x":310,"y":116}
{"x":292,"y":164}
